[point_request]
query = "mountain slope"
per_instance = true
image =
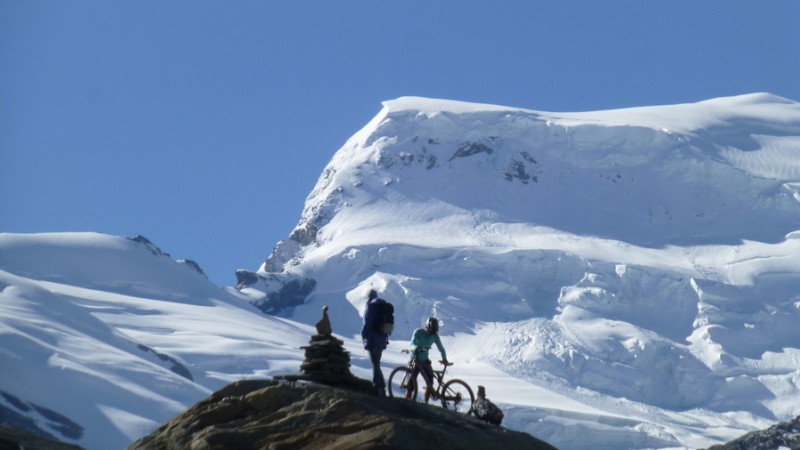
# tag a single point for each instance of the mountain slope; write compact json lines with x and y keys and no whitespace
{"x":104,"y":338}
{"x":641,"y":262}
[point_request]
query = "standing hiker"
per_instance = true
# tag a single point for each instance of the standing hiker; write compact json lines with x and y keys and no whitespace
{"x":378,"y":325}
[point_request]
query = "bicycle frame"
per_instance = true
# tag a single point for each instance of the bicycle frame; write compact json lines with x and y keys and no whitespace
{"x":438,"y":375}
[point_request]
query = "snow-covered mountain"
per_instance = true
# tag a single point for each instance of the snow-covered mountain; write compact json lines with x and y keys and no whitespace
{"x":640,"y":262}
{"x":103,"y":338}
{"x":616,"y":279}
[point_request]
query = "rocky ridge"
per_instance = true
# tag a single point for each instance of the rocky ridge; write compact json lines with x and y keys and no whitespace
{"x":16,"y":438}
{"x":256,"y":414}
{"x":785,"y":435}
{"x":324,"y":407}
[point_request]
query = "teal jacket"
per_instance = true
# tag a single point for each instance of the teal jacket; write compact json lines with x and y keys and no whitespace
{"x":424,"y":342}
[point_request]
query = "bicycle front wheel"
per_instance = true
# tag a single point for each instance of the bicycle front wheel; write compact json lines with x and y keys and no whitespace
{"x":399,"y":381}
{"x":457,"y":396}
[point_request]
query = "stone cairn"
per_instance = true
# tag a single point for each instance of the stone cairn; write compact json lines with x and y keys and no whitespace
{"x":326,"y":361}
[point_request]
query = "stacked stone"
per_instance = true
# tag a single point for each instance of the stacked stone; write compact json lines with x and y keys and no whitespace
{"x":326,"y":361}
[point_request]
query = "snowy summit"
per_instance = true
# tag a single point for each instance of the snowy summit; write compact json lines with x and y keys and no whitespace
{"x":616,"y":279}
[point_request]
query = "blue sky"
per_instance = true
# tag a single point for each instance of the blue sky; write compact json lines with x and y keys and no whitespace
{"x":203,"y":125}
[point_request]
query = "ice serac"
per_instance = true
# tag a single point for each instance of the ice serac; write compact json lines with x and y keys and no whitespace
{"x":642,"y":254}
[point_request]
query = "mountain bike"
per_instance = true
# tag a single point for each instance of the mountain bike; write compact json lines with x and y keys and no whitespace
{"x":454,"y":394}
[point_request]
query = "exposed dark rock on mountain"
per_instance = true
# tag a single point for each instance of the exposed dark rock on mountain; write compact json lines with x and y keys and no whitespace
{"x":781,"y":436}
{"x":256,"y":414}
{"x":175,"y":366}
{"x":245,"y":278}
{"x":471,"y":148}
{"x":194,"y":266}
{"x":289,"y":291}
{"x":19,"y":418}
{"x":147,"y":243}
{"x":12,"y":438}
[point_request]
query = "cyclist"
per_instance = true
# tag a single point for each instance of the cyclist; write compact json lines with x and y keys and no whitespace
{"x":424,"y":338}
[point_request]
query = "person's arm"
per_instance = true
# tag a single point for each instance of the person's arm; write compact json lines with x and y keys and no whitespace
{"x":439,"y":345}
{"x":415,"y":340}
{"x":368,"y":319}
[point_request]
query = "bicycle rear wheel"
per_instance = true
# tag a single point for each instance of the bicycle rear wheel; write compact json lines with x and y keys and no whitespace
{"x":399,"y":380}
{"x":457,"y":396}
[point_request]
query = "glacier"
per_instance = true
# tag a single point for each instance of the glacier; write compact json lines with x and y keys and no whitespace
{"x":616,"y":279}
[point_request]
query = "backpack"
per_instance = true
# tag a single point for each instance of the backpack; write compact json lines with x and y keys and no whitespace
{"x":384,"y":317}
{"x":485,"y":410}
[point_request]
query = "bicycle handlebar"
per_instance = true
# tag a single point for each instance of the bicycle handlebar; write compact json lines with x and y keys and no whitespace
{"x":422,"y":349}
{"x":416,"y":350}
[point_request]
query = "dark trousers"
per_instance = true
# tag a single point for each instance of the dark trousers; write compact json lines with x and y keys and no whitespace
{"x":375,"y":354}
{"x":426,"y":369}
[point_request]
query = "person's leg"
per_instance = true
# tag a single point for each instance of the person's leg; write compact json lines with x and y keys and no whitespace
{"x":427,"y":374}
{"x":412,"y":382}
{"x":377,"y":374}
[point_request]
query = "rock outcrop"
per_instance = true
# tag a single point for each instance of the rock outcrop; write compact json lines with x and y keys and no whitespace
{"x":13,"y":438}
{"x":260,"y":414}
{"x":785,"y":435}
